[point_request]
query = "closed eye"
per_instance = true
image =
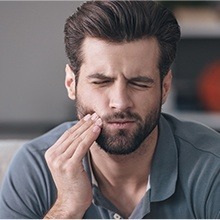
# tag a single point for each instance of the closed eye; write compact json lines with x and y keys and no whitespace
{"x":141,"y":85}
{"x":141,"y":82}
{"x":101,"y":82}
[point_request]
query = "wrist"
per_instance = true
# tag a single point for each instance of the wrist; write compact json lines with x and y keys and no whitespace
{"x":60,"y":211}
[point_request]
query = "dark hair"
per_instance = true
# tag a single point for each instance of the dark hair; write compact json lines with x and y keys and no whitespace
{"x":122,"y":21}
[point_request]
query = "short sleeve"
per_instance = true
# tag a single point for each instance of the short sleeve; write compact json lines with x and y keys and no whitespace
{"x":28,"y":190}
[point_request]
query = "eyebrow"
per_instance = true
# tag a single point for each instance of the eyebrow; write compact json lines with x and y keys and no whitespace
{"x":143,"y":79}
{"x":99,"y":76}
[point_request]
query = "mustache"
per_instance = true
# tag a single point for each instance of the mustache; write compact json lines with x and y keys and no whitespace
{"x":126,"y":115}
{"x":122,"y":115}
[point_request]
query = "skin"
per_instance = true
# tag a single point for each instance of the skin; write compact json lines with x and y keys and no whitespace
{"x":113,"y":78}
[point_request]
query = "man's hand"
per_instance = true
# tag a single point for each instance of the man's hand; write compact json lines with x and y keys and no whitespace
{"x":64,"y":159}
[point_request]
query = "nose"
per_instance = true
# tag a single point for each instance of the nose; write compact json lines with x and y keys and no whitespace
{"x":120,"y":98}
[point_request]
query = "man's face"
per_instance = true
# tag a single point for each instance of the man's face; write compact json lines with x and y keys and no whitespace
{"x":121,"y":83}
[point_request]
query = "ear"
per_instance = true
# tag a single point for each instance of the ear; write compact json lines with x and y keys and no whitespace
{"x":70,"y":82}
{"x":166,"y":85}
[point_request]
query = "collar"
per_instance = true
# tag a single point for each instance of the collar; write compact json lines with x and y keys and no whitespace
{"x":165,"y":164}
{"x":93,"y":179}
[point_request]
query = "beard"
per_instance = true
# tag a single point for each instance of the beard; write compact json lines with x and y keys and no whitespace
{"x":123,"y":142}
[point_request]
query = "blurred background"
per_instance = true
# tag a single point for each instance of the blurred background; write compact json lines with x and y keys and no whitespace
{"x":33,"y":97}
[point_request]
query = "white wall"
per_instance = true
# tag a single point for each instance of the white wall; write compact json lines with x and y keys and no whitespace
{"x":32,"y":62}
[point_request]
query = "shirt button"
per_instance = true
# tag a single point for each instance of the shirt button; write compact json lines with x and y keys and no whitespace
{"x":117,"y":216}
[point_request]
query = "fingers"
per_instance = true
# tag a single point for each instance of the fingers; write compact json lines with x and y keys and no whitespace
{"x":72,"y":134}
{"x":71,"y":131}
{"x":75,"y":142}
{"x":87,"y":142}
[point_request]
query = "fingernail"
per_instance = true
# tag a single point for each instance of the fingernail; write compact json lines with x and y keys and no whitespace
{"x":87,"y":117}
{"x":98,"y":122}
{"x":96,"y":129}
{"x":94,"y":116}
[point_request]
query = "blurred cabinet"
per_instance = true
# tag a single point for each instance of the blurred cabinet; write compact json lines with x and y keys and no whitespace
{"x":196,"y":86}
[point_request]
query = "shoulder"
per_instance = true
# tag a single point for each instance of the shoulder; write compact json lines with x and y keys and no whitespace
{"x":198,"y":148}
{"x":30,"y":157}
{"x":32,"y":152}
{"x":196,"y":136}
{"x":43,"y":142}
{"x":28,"y":178}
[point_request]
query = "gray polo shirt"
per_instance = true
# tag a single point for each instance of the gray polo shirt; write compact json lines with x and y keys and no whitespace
{"x":184,"y":179}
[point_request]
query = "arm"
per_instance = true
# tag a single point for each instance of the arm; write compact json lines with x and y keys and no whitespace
{"x":64,"y":159}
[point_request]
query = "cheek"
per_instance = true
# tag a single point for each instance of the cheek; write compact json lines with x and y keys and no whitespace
{"x":99,"y":104}
{"x":149,"y":102}
{"x":92,"y":100}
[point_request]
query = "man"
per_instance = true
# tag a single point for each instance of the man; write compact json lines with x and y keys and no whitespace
{"x":123,"y":158}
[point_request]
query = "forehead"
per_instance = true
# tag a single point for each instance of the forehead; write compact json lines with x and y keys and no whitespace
{"x":127,"y":57}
